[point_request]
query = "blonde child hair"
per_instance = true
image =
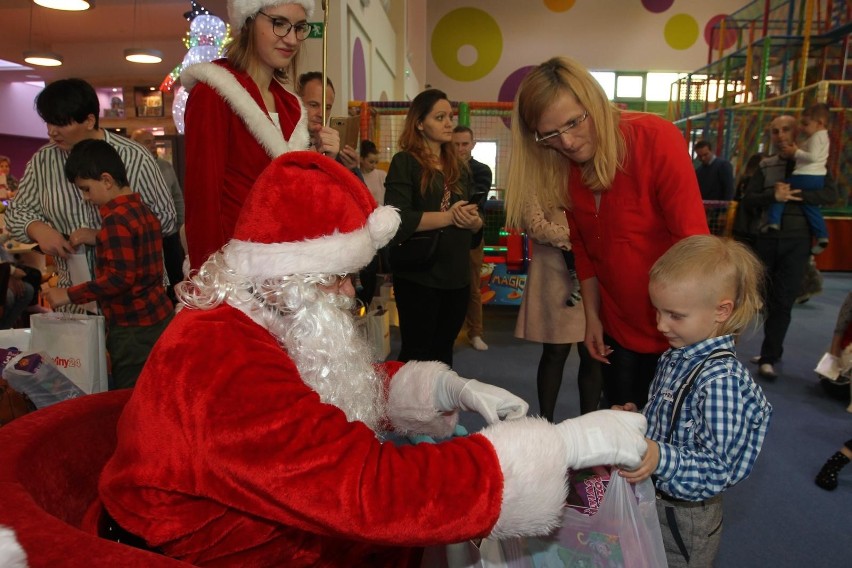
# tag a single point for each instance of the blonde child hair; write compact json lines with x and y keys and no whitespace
{"x":725,"y":269}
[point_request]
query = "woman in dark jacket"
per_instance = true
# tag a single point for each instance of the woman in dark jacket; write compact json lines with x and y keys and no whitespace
{"x":430,"y":186}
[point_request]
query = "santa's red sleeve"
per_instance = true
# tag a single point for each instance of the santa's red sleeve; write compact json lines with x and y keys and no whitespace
{"x":223,"y":449}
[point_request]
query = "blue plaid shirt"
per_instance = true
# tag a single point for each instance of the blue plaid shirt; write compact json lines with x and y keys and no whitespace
{"x":721,"y":426}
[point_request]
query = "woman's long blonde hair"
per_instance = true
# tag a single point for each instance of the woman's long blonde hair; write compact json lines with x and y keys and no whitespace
{"x":542,"y":170}
{"x":411,"y":140}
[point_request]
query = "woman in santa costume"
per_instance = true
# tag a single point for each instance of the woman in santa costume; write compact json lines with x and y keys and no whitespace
{"x":239,"y":116}
{"x":252,"y":437}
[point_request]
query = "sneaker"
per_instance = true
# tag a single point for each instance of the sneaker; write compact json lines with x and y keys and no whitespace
{"x":770,"y":227}
{"x":478,"y":344}
{"x":767,"y":371}
{"x":755,"y":359}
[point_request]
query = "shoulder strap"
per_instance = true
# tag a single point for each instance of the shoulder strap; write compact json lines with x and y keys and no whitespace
{"x":686,"y":386}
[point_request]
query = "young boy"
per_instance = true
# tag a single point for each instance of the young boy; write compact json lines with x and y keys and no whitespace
{"x":706,"y":417}
{"x":809,"y":173}
{"x":128,"y":284}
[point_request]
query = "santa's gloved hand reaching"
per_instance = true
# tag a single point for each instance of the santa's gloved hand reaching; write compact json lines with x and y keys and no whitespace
{"x":492,"y":403}
{"x":605,"y":437}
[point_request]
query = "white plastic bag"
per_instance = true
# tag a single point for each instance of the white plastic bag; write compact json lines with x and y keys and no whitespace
{"x":623,"y":533}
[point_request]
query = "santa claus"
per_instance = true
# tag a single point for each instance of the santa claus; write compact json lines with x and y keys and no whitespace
{"x":253,"y":436}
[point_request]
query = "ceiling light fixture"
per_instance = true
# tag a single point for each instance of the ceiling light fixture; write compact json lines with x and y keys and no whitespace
{"x":40,"y":58}
{"x":141,"y":55}
{"x":69,"y":5}
{"x":43,"y":58}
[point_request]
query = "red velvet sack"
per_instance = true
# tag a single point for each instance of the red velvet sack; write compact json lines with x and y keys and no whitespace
{"x":12,"y":403}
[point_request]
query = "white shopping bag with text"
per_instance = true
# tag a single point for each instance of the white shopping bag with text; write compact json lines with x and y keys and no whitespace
{"x":76,"y":344}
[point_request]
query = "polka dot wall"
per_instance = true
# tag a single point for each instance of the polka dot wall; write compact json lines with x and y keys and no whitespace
{"x":481,"y":50}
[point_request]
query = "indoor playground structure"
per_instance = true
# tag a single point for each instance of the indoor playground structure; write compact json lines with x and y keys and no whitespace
{"x":769,"y":58}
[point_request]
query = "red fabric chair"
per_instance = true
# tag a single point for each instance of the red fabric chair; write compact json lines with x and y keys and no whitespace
{"x":50,"y":461}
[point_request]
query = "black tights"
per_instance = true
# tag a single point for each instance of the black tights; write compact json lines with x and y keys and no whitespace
{"x":549,"y":378}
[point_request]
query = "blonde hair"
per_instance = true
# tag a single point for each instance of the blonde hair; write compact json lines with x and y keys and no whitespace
{"x":722,"y":266}
{"x":542,"y":170}
{"x":241,"y":52}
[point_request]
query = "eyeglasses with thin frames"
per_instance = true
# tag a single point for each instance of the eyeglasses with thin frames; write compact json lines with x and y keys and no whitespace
{"x":548,"y":139}
{"x":281,"y":27}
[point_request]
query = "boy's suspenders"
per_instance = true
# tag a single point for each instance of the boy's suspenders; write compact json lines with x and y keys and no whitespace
{"x":686,"y":386}
{"x":680,"y":397}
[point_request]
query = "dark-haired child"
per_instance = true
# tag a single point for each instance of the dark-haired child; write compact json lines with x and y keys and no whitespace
{"x":128,"y":282}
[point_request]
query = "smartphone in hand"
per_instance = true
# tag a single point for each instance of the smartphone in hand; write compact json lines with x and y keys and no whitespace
{"x":478,"y":198}
{"x":348,"y":128}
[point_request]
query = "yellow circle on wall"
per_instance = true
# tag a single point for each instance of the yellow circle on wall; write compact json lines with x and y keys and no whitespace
{"x":469,"y":32}
{"x":559,"y":5}
{"x":681,"y":31}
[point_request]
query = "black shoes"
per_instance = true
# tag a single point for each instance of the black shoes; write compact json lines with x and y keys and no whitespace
{"x":827,"y":476}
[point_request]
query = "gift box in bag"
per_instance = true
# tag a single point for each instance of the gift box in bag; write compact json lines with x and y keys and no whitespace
{"x":77,"y":346}
{"x":34,"y":375}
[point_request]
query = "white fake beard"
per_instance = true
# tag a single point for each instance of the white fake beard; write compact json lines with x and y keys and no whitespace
{"x":318,"y":331}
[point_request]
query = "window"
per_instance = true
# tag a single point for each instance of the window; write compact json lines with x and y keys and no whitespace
{"x":607,"y":81}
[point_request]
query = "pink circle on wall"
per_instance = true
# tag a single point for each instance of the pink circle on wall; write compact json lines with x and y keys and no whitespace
{"x":657,"y":6}
{"x":510,"y":85}
{"x":711,"y":34}
{"x":509,"y":88}
{"x":359,"y":72}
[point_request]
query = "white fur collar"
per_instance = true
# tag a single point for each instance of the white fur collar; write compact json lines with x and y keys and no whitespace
{"x":256,"y":120}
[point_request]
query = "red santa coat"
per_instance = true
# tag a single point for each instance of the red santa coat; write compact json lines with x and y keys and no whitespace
{"x":226,"y":458}
{"x":652,"y":204}
{"x":230,"y":139}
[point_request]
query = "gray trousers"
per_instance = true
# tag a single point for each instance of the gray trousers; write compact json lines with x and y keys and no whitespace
{"x":691,"y":531}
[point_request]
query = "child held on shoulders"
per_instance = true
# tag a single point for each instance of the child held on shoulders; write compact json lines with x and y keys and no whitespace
{"x":128,"y":285}
{"x":809,"y":174}
{"x":706,"y":417}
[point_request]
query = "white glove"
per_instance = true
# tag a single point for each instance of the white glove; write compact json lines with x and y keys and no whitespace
{"x":605,"y":437}
{"x":492,"y":403}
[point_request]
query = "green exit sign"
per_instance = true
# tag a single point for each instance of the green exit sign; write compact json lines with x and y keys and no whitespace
{"x":316,"y":30}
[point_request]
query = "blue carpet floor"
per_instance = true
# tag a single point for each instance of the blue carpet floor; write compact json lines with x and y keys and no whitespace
{"x":777,"y":517}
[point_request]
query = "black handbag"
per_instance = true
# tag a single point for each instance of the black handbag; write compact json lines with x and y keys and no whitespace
{"x":417,"y":252}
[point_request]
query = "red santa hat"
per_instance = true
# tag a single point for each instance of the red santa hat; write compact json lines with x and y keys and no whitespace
{"x":241,"y":10}
{"x":307,"y":214}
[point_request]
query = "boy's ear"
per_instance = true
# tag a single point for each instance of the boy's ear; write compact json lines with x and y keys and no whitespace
{"x":724,"y":309}
{"x":108,"y":180}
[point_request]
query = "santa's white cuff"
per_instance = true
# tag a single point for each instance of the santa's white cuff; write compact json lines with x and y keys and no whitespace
{"x":11,"y":553}
{"x":534,"y":461}
{"x":411,"y":401}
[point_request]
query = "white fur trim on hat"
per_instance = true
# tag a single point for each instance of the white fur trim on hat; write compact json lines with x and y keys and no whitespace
{"x":411,"y":401}
{"x":337,"y":253}
{"x":241,"y":10}
{"x":534,"y":461}
{"x":11,"y":553}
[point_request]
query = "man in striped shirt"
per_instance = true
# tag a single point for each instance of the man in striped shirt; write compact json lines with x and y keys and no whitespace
{"x":48,"y":207}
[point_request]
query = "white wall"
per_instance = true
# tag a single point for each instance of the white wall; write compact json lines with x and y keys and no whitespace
{"x":19,"y":115}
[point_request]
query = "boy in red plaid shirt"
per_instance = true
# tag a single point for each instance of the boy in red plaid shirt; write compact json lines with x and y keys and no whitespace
{"x":128,"y":285}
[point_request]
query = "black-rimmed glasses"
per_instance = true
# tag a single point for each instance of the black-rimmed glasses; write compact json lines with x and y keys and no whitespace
{"x":282,"y":26}
{"x":552,"y":136}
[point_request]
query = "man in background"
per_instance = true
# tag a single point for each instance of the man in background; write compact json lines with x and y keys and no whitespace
{"x":173,"y":253}
{"x":464,"y":141}
{"x":715,"y":175}
{"x":310,"y":90}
